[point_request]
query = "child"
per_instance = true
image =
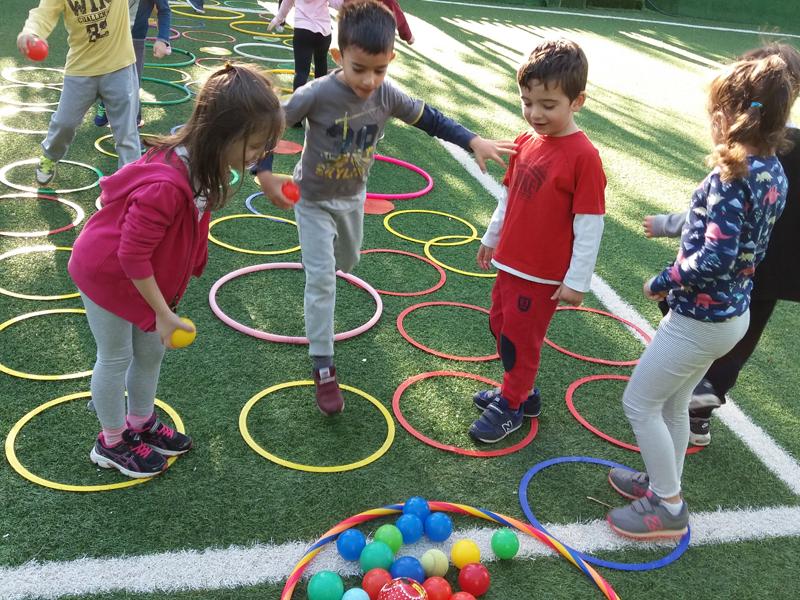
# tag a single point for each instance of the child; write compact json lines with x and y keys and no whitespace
{"x":708,"y":288}
{"x":777,"y":277}
{"x":99,"y":64}
{"x":134,"y":258}
{"x":347,"y":111}
{"x":403,"y":30}
{"x":545,"y":237}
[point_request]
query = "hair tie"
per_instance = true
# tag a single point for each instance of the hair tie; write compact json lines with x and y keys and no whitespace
{"x":756,"y":105}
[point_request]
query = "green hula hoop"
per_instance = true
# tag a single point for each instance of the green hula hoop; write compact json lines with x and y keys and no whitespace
{"x":189,"y":60}
{"x":231,"y":14}
{"x":171,"y":84}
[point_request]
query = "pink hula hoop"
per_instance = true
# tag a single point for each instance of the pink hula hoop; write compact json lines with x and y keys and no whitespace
{"x":174,"y":34}
{"x":290,"y":339}
{"x":406,"y":165}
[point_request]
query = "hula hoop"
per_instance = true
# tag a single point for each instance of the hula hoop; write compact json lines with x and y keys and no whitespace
{"x":177,"y":86}
{"x":28,"y":250}
{"x":313,"y":468}
{"x":174,"y":34}
{"x":255,"y":5}
{"x":235,"y":25}
{"x":289,"y":339}
{"x":391,"y":216}
{"x":674,"y":555}
{"x":11,"y":454}
{"x":211,"y":238}
{"x":19,"y":109}
{"x":35,"y":376}
{"x":190,"y":58}
{"x":192,"y":15}
{"x":226,"y":37}
{"x":401,"y":328}
{"x":216,"y":51}
{"x":79,"y":215}
{"x":189,"y":85}
{"x":8,"y":75}
{"x":460,"y":509}
{"x":181,"y":23}
{"x":601,"y":361}
{"x":447,"y":447}
{"x":33,"y":161}
{"x":185,"y":77}
{"x":98,"y":143}
{"x":285,"y":90}
{"x":429,"y":254}
{"x":237,"y":48}
{"x":248,"y":202}
{"x":201,"y":62}
{"x":15,"y":102}
{"x":406,"y":165}
{"x":430,"y":290}
{"x":582,"y":420}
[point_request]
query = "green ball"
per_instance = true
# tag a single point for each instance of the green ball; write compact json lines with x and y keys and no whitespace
{"x":435,"y":563}
{"x":389,"y":535}
{"x":325,"y":585}
{"x":376,"y":555}
{"x":505,"y":543}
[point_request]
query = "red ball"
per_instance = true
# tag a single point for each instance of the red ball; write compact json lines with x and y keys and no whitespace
{"x":291,"y":191}
{"x":37,"y":49}
{"x":462,"y":596}
{"x":402,"y":588}
{"x":374,"y":580}
{"x":438,"y":588}
{"x":474,"y":578}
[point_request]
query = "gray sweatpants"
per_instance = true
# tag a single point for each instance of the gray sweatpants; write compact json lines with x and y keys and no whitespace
{"x":119,"y":91}
{"x":330,"y":238}
{"x":128,"y":359}
{"x":656,"y":400}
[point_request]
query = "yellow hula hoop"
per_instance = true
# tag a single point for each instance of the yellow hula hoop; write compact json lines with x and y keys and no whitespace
{"x":235,"y":25}
{"x":22,"y":375}
{"x":27,"y":250}
{"x":312,"y":468}
{"x":102,"y":138}
{"x":284,"y":72}
{"x":392,"y":215}
{"x":11,"y":454}
{"x":429,"y":254}
{"x":211,"y":238}
{"x":236,"y":14}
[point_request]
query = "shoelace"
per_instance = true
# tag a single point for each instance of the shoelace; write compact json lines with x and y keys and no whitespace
{"x":165,"y":430}
{"x":141,"y":449}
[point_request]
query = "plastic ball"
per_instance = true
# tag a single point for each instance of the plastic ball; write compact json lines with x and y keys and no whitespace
{"x":37,"y":49}
{"x":389,"y":535}
{"x":462,"y":596}
{"x":464,"y":552}
{"x":416,"y":505}
{"x":402,"y":589}
{"x":411,"y":527}
{"x":350,"y":543}
{"x":376,"y":555}
{"x":325,"y":585}
{"x":438,"y":588}
{"x":505,"y":543}
{"x":291,"y":191}
{"x":182,"y":338}
{"x":373,"y":582}
{"x":474,"y":578}
{"x":435,"y":563}
{"x":438,"y":526}
{"x":408,"y":567}
{"x":355,"y":594}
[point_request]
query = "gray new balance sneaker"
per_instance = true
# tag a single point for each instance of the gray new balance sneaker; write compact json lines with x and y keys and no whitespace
{"x":647,"y":519}
{"x":630,"y":484}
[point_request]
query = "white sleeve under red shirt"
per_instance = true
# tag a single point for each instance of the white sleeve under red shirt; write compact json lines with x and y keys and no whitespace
{"x":550,"y":180}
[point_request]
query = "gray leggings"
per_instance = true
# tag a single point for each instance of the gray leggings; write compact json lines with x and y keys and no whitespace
{"x":656,"y":400}
{"x":127,"y":359}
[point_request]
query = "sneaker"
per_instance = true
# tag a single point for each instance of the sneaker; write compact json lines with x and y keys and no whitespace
{"x":705,"y":398}
{"x":699,"y":431}
{"x":496,"y":422}
{"x":100,"y":117}
{"x":630,"y":484}
{"x":647,"y":519}
{"x":131,"y":456}
{"x":197,"y":5}
{"x":329,"y":397}
{"x":164,"y":439}
{"x":532,"y":407}
{"x":46,"y":170}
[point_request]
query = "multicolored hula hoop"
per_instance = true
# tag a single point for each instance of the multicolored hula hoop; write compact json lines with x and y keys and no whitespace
{"x":460,"y":509}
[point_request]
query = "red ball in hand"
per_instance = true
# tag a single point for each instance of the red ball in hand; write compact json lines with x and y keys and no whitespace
{"x":474,"y":578}
{"x":37,"y":49}
{"x":291,"y":191}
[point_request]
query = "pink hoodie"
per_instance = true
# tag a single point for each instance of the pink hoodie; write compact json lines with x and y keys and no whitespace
{"x":148,"y":225}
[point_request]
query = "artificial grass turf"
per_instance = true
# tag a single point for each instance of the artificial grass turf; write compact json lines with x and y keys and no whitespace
{"x":650,"y":133}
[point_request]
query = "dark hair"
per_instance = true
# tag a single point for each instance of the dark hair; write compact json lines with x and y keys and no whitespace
{"x":749,"y":103}
{"x":789,"y":54}
{"x":235,"y":102}
{"x":367,"y":24}
{"x":561,"y":62}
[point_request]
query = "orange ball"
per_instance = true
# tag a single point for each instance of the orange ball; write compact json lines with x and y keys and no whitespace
{"x":291,"y":191}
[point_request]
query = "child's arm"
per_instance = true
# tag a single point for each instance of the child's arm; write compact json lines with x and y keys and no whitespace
{"x":286,"y":6}
{"x":587,"y":231}
{"x":166,"y":320}
{"x":491,"y":238}
{"x":162,"y":47}
{"x":41,"y":21}
{"x":402,"y":24}
{"x":664,"y":225}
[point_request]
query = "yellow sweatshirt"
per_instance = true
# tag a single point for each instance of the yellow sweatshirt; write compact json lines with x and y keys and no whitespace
{"x":98,"y":33}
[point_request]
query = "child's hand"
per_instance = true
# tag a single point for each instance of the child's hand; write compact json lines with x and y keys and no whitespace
{"x":648,"y":226}
{"x":485,"y":257}
{"x":23,"y":41}
{"x":166,"y":323}
{"x":651,"y":295}
{"x":271,"y":186}
{"x":568,"y":296}
{"x":272,"y":24}
{"x":411,"y":41}
{"x":491,"y":150}
{"x":161,"y":49}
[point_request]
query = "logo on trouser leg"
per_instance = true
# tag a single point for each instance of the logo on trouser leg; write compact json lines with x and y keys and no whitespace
{"x":523,"y":303}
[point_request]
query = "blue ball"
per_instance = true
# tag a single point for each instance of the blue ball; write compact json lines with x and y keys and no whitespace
{"x":408,"y":567}
{"x":411,"y":527}
{"x":350,"y":543}
{"x":438,"y":526}
{"x":417,"y":505}
{"x":355,"y":594}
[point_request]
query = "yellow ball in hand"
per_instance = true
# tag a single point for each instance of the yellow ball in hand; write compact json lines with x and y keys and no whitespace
{"x":465,"y":552}
{"x":182,"y":338}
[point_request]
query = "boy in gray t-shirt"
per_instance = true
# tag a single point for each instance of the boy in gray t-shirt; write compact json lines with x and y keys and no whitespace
{"x":346,"y":112}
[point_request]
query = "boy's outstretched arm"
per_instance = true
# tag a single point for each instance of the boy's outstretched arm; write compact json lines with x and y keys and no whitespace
{"x":41,"y":21}
{"x":664,"y":225}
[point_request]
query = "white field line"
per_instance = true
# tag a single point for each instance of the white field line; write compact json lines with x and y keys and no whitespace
{"x":563,"y":12}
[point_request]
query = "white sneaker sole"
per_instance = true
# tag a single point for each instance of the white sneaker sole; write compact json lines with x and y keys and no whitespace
{"x":699,"y":439}
{"x":106,"y":463}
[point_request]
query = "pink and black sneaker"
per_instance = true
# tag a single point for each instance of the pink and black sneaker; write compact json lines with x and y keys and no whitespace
{"x":163,"y":438}
{"x":131,"y":456}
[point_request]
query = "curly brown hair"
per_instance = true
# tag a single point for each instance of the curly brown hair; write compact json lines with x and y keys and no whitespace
{"x":560,"y":62}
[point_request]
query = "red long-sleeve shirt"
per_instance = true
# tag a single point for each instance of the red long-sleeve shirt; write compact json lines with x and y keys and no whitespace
{"x":402,"y":25}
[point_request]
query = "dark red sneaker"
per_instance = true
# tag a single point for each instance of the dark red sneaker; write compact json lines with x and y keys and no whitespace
{"x":163,"y":438}
{"x":329,"y":396}
{"x":131,"y":456}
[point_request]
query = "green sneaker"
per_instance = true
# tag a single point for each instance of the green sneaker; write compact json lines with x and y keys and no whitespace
{"x":46,"y":170}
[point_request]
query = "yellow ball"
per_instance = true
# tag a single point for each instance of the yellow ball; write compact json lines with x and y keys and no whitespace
{"x":182,"y":338}
{"x":434,"y":562}
{"x":465,"y":552}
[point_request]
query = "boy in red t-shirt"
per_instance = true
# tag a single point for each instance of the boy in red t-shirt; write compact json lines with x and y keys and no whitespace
{"x":544,"y":238}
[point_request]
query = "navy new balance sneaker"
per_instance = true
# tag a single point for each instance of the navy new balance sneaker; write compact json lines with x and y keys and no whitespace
{"x":532,"y":407}
{"x":496,"y":422}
